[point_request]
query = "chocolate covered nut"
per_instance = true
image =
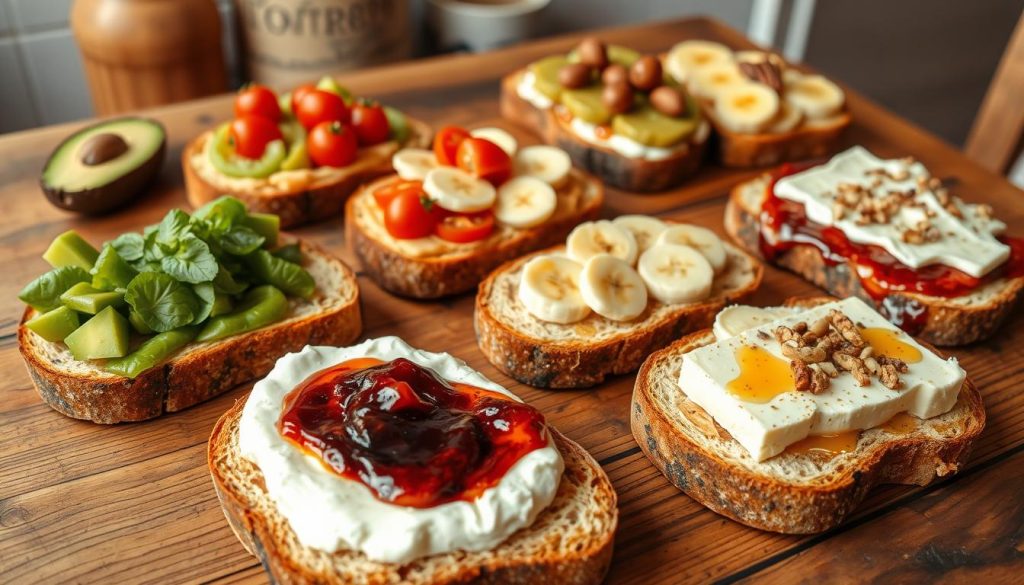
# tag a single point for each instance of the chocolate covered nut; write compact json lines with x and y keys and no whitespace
{"x":615,"y":73}
{"x":668,"y":101}
{"x":645,"y":74}
{"x":574,"y":75}
{"x":593,"y":53}
{"x":617,"y":97}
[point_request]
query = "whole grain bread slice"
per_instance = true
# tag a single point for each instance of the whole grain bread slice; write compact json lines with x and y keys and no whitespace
{"x":200,"y":371}
{"x":789,"y":493}
{"x":806,"y":141}
{"x":304,"y":201}
{"x":569,"y":543}
{"x":630,"y":174}
{"x":457,"y":268}
{"x":948,"y":322}
{"x":583,"y":354}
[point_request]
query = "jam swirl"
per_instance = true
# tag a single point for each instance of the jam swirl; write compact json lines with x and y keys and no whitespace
{"x":410,"y":436}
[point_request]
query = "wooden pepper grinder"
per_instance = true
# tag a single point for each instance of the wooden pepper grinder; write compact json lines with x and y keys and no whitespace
{"x":143,"y":53}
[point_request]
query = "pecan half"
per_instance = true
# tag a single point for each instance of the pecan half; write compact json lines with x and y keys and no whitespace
{"x":765,"y":72}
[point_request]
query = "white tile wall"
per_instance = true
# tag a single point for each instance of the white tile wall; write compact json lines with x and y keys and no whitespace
{"x":31,"y":15}
{"x":54,"y":70}
{"x":5,"y":21}
{"x":16,"y":111}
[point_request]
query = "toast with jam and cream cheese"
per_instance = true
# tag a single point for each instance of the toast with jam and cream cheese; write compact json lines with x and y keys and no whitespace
{"x":794,"y":492}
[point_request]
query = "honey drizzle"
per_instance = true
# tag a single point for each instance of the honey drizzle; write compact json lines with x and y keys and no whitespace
{"x":900,"y":424}
{"x":887,"y":342}
{"x":762,"y":376}
{"x":830,"y":445}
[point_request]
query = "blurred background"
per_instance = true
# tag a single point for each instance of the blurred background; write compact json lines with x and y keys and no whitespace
{"x":929,"y":60}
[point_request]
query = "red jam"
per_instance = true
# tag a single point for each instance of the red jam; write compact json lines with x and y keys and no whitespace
{"x":784,"y":224}
{"x":411,"y":437}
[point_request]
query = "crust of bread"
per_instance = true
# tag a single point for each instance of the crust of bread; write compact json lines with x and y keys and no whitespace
{"x":266,"y":535}
{"x":740,"y":490}
{"x":583,"y":362}
{"x":450,"y":274}
{"x":630,"y":174}
{"x":759,"y":150}
{"x":950,"y":321}
{"x":198,"y":374}
{"x":299,"y":205}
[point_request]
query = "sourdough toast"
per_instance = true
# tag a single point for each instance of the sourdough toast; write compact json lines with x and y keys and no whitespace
{"x":804,"y":142}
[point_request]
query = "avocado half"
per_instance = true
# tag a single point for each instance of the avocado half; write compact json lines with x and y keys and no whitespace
{"x":101,"y":167}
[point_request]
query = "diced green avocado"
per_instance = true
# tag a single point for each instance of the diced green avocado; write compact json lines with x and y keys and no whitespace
{"x":138,"y":324}
{"x":111,"y":271}
{"x":616,"y":54}
{"x":545,"y":76}
{"x":398,"y":125}
{"x":54,"y":325}
{"x":103,"y":166}
{"x":84,"y":298}
{"x":222,"y":304}
{"x":328,"y":83}
{"x":585,"y":103}
{"x":652,"y":128}
{"x":70,"y":249}
{"x":103,"y":336}
{"x":267,"y":225}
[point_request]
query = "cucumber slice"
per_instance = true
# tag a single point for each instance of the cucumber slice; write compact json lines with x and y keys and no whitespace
{"x":103,"y":336}
{"x":69,"y":249}
{"x":54,"y":325}
{"x":545,"y":76}
{"x":586,"y":104}
{"x":652,"y":128}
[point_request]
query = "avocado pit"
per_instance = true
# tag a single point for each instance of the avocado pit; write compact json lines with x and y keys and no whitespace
{"x":102,"y":148}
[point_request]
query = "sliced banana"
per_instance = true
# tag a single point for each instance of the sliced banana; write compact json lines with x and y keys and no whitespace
{"x":746,"y":107}
{"x":710,"y":81}
{"x":612,"y":288}
{"x":676,"y":274}
{"x":456,"y":190}
{"x":506,"y":141}
{"x":524,"y":202}
{"x":601,"y":237}
{"x":732,"y":321}
{"x":751,"y":56}
{"x":413,"y":164}
{"x":701,"y":239}
{"x":645,"y":229}
{"x":689,"y":56}
{"x":549,"y":288}
{"x":814,"y":95}
{"x":548,"y":163}
{"x":788,"y":118}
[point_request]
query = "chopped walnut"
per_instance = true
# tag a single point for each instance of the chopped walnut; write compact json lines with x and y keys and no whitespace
{"x":767,"y":72}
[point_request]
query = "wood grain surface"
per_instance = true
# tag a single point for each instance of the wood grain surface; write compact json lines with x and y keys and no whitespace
{"x":134,"y":503}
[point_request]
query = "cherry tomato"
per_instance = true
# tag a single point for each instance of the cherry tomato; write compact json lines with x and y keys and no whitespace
{"x":484,"y":159}
{"x":411,"y":215}
{"x":446,"y":144}
{"x":332,"y":144}
{"x":321,"y":106}
{"x":257,"y":100}
{"x":466,"y":227}
{"x":384,"y":195}
{"x":298,"y":93}
{"x":370,"y":123}
{"x":251,"y":134}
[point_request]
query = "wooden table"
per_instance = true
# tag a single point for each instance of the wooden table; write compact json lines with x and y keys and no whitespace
{"x":87,"y":503}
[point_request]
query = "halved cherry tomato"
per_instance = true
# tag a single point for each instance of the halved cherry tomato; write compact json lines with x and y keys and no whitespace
{"x":384,"y":195}
{"x":332,"y":144}
{"x":257,"y":100}
{"x":446,"y":144}
{"x":411,"y":215}
{"x":251,"y":134}
{"x":484,"y":159}
{"x":298,"y":93}
{"x":370,"y":123}
{"x":321,"y":106}
{"x":466,"y":227}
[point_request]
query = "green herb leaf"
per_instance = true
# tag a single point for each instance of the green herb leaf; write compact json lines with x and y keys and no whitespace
{"x":172,"y":228}
{"x":240,"y":240}
{"x":220,"y":214}
{"x":162,"y":302}
{"x":226,"y":283}
{"x":206,"y":295}
{"x":193,"y":262}
{"x":129,"y":246}
{"x":291,"y":278}
{"x":44,"y":292}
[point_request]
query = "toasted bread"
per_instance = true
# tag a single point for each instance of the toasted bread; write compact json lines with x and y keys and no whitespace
{"x":456,"y":268}
{"x":806,"y":141}
{"x":583,"y":354}
{"x":570,"y":542}
{"x":949,"y":321}
{"x":315,"y":198}
{"x":631,"y":174}
{"x":789,"y":493}
{"x":200,"y":371}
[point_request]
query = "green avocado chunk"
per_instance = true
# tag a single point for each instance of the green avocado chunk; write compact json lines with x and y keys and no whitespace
{"x":267,"y":225}
{"x":70,"y":249}
{"x":54,"y":325}
{"x":585,"y":103}
{"x":652,"y":128}
{"x":152,"y":351}
{"x":85,"y":299}
{"x":545,"y":75}
{"x":103,"y":336}
{"x":111,"y":271}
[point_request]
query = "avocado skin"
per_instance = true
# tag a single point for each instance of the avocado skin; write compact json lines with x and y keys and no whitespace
{"x":106,"y":198}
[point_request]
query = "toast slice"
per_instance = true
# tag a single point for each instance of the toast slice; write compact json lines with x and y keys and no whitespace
{"x":789,"y":493}
{"x":570,"y":542}
{"x":421,"y":270}
{"x":583,"y":354}
{"x":199,"y":371}
{"x":949,"y":321}
{"x":817,"y":139}
{"x":630,"y":174}
{"x":297,"y":197}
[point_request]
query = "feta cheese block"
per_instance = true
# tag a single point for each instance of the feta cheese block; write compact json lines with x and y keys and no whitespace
{"x":767,"y":414}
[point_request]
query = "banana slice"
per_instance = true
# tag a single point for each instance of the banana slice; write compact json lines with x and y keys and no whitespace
{"x":601,"y":237}
{"x":506,"y":141}
{"x":524,"y":202}
{"x":751,"y":56}
{"x":688,"y":57}
{"x":701,"y":239}
{"x":456,"y":190}
{"x":549,"y":288}
{"x":788,"y":118}
{"x":732,"y":321}
{"x":612,"y":288}
{"x":413,"y":164}
{"x":710,"y":81}
{"x":548,"y":163}
{"x":746,"y":107}
{"x":645,"y":229}
{"x":676,"y":274}
{"x":814,"y":95}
